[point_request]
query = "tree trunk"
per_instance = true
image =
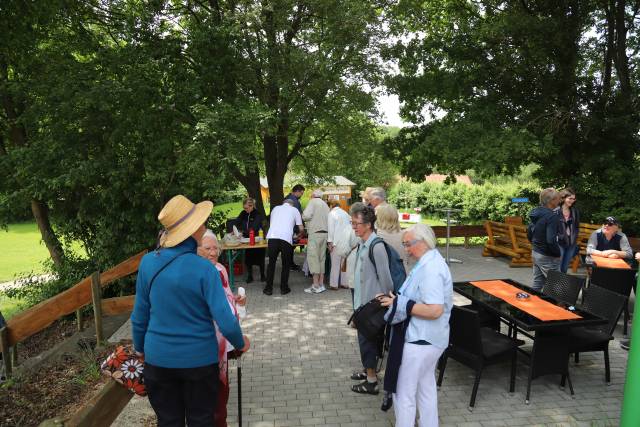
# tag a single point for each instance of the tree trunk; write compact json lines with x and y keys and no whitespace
{"x":41,"y":214}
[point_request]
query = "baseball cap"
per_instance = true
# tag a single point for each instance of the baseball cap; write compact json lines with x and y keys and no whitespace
{"x":610,"y":220}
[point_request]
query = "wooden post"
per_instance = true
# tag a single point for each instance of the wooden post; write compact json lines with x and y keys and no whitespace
{"x":6,"y":352}
{"x":14,"y":355}
{"x":79,"y":321}
{"x":96,"y":297}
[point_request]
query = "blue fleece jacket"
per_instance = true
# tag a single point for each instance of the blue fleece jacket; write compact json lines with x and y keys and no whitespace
{"x":173,"y":324}
{"x":545,"y":231}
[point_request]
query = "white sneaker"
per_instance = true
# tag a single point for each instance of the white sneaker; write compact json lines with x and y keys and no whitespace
{"x":310,"y":290}
{"x":319,"y":290}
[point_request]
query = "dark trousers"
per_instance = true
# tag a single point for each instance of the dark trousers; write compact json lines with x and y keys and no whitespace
{"x":275,"y":247}
{"x":370,"y":351}
{"x":177,"y":394}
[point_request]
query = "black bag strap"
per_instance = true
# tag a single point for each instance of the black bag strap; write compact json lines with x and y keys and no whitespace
{"x":371,"y":257}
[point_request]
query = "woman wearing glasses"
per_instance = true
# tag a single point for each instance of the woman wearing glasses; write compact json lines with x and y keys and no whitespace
{"x":568,"y":227}
{"x":421,"y":313}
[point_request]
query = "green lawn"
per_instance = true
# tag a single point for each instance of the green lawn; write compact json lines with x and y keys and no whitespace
{"x":22,"y":251}
{"x":9,"y":306}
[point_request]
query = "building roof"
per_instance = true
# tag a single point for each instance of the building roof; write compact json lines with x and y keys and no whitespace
{"x":336,"y":180}
{"x":435,"y":177}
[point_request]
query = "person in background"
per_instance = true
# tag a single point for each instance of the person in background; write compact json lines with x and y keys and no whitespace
{"x":177,"y":337}
{"x":280,"y":241}
{"x":544,"y":237}
{"x":426,"y":299}
{"x":377,"y":197}
{"x":608,"y":242}
{"x":388,"y":227}
{"x":625,"y":344}
{"x":338,"y":228}
{"x":568,"y":227}
{"x":295,"y":195}
{"x":210,"y":249}
{"x":366,"y":196}
{"x":251,"y":219}
{"x":316,"y":216}
{"x":366,"y":285}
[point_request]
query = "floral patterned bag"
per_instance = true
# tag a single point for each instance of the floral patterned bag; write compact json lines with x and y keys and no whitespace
{"x":125,"y":366}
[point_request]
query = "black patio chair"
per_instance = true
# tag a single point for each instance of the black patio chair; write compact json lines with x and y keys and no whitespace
{"x":563,"y":287}
{"x":485,"y":318}
{"x":617,"y":280}
{"x":603,"y":303}
{"x":477,"y":347}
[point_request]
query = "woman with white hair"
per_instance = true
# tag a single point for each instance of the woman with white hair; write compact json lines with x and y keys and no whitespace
{"x":421,"y":313}
{"x":388,"y":228}
{"x":210,"y":249}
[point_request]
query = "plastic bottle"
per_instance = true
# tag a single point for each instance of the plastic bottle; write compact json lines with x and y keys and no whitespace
{"x":252,"y":237}
{"x":242,"y":309}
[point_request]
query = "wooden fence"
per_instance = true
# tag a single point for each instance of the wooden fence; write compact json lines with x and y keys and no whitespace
{"x":88,"y":290}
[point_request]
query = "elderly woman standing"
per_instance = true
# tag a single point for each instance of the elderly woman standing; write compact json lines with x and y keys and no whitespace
{"x":178,"y":297}
{"x":210,"y":249}
{"x":424,"y":302}
{"x":339,"y":226}
{"x":388,"y":228}
{"x":251,"y":219}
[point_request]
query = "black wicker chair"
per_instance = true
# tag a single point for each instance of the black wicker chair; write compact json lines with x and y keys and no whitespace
{"x":617,"y":280}
{"x":477,"y":347}
{"x":563,"y":287}
{"x":603,"y":303}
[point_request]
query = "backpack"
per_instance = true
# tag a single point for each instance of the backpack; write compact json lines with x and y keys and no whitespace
{"x":396,"y":266}
{"x":530,"y":229}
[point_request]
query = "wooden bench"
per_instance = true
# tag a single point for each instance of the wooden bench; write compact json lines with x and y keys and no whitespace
{"x":584,"y":232}
{"x":510,"y":240}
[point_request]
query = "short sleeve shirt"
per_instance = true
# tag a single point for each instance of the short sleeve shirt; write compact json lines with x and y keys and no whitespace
{"x":283,"y":219}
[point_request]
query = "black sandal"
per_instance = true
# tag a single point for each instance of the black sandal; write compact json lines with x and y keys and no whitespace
{"x":359,"y":375}
{"x":366,"y":387}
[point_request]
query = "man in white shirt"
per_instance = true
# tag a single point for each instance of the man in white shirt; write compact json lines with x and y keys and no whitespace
{"x":339,"y":224}
{"x":280,"y":240}
{"x":316,"y":215}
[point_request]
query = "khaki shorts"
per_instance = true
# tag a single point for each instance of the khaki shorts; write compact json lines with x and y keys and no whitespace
{"x":316,"y":252}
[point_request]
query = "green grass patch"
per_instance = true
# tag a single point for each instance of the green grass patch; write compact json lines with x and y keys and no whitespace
{"x":22,"y":251}
{"x":10,"y":306}
{"x":234,"y":208}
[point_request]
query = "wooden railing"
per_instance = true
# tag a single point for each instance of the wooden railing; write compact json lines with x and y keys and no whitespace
{"x":88,"y":290}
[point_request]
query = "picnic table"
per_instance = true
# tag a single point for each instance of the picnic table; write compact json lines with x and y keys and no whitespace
{"x":540,"y":317}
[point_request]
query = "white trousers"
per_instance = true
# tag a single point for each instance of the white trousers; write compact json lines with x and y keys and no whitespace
{"x":417,"y":382}
{"x":337,"y":275}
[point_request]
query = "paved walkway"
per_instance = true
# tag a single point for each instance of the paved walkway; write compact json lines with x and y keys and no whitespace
{"x":302,"y":354}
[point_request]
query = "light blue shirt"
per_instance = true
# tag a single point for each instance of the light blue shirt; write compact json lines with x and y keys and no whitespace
{"x":430,"y":283}
{"x":363,"y":251}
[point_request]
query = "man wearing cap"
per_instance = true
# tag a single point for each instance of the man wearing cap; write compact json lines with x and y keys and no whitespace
{"x":280,"y":241}
{"x":608,"y":242}
{"x":178,"y":297}
{"x":316,"y":216}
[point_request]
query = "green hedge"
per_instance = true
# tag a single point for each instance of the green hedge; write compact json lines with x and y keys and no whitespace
{"x":477,"y":202}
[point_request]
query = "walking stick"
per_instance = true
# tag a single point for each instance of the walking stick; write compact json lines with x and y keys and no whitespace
{"x":239,"y":362}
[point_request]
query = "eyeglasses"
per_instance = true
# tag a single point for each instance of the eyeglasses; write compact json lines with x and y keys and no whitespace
{"x":358,"y":223}
{"x":409,"y":243}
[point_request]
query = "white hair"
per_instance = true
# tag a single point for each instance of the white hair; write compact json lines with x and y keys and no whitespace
{"x":317,"y":193}
{"x":378,"y":193}
{"x":288,"y":202}
{"x":423,"y":232}
{"x":210,"y":234}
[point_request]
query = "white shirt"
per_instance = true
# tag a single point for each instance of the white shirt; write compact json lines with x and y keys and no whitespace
{"x":338,"y":221}
{"x":283,"y":219}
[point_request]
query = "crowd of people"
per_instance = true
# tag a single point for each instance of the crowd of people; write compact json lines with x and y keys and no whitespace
{"x":186,"y":320}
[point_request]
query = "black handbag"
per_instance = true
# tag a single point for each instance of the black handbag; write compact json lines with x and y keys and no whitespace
{"x":369,"y":319}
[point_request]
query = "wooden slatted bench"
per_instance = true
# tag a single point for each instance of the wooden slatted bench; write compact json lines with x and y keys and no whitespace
{"x":510,"y":240}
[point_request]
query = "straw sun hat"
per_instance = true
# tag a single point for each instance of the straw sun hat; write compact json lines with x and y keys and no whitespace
{"x":181,"y":218}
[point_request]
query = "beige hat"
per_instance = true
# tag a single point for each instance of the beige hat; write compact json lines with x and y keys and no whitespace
{"x":181,"y":218}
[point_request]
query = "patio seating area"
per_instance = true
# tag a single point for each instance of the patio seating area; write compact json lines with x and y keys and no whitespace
{"x":297,"y":372}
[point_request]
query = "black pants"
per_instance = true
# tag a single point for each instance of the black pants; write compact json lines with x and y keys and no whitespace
{"x":370,"y":351}
{"x":275,"y":247}
{"x":177,"y":394}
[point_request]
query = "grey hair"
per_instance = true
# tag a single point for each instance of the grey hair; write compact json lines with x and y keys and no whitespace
{"x":210,"y":234}
{"x":547,"y":195}
{"x":288,"y":202}
{"x":317,"y":193}
{"x":423,"y":232}
{"x":378,"y":193}
{"x":356,"y":208}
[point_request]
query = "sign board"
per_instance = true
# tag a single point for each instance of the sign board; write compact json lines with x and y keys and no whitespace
{"x":520,"y":200}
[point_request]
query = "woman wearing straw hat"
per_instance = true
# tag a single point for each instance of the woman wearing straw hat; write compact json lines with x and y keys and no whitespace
{"x":178,"y":296}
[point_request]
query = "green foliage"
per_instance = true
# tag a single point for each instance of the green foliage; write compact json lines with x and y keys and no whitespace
{"x":477,"y":202}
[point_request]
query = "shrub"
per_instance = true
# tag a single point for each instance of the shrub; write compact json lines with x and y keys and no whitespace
{"x":477,"y":202}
